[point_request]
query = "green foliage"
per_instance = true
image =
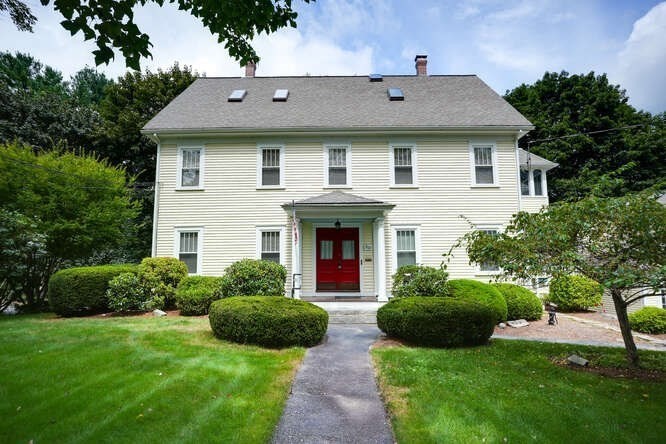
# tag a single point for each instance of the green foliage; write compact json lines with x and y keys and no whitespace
{"x":160,"y":277}
{"x":195,"y":294}
{"x":575,"y":293}
{"x":76,"y":204}
{"x":125,"y":293}
{"x":268,"y":321}
{"x":253,"y":277}
{"x":649,"y":320}
{"x":82,"y":290}
{"x":20,"y":14}
{"x":521,"y":303}
{"x":470,"y":290}
{"x":437,"y":321}
{"x":419,"y":280}
{"x":618,"y":242}
{"x":563,"y":105}
{"x":110,"y":23}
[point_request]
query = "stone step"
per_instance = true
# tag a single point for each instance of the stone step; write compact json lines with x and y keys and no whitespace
{"x":351,"y":312}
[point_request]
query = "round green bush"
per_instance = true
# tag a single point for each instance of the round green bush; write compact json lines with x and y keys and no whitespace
{"x":649,"y":320}
{"x":253,"y":277}
{"x":520,"y":302}
{"x":575,"y":293}
{"x":126,"y":293}
{"x":268,"y":321}
{"x":160,"y":276}
{"x":437,"y":321}
{"x":195,"y":294}
{"x":82,"y":290}
{"x":470,"y":290}
{"x":420,"y":280}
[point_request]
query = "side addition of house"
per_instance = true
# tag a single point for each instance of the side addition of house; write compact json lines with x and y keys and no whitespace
{"x":340,"y":179}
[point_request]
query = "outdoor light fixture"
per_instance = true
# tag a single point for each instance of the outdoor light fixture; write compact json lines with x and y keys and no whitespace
{"x":337,"y":224}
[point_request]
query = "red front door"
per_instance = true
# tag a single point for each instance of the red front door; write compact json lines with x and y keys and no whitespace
{"x":337,"y":259}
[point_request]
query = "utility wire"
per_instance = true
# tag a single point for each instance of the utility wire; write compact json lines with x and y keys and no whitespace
{"x":530,"y":142}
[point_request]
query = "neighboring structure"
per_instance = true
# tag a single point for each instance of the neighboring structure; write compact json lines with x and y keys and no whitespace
{"x":341,"y":179}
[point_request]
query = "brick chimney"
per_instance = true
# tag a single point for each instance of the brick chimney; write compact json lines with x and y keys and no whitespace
{"x":250,"y":68}
{"x":421,"y":65}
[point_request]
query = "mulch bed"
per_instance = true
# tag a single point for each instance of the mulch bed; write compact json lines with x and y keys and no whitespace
{"x":641,"y":374}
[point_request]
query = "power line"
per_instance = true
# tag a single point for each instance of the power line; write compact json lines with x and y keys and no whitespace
{"x":530,"y":142}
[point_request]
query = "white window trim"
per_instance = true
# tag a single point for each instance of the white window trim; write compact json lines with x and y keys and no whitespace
{"x":179,"y":169}
{"x":261,"y":229}
{"x":472,"y":163}
{"x":415,"y":169}
{"x":260,"y":148}
{"x":477,"y":270}
{"x":200,"y":241}
{"x":394,"y":243}
{"x":530,"y":181}
{"x":348,"y":165}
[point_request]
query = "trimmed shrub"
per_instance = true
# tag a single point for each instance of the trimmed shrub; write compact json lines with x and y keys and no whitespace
{"x":649,"y":320}
{"x":575,"y":293}
{"x":470,"y":290}
{"x":195,"y":294}
{"x":82,"y":290}
{"x":253,"y":277}
{"x":520,"y":302}
{"x":437,"y":321}
{"x":160,"y":276}
{"x":268,"y":321}
{"x":420,"y":280}
{"x":126,"y":293}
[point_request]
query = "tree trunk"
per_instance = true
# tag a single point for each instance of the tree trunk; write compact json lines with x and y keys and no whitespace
{"x":623,"y":319}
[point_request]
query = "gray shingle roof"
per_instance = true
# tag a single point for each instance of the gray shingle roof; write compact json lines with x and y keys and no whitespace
{"x":339,"y":198}
{"x":535,"y":161}
{"x":337,"y":102}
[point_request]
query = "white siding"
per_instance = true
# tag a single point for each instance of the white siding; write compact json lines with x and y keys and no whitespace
{"x":230,"y":207}
{"x":533,"y":204}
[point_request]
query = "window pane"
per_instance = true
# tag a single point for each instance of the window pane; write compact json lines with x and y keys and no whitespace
{"x":337,"y":157}
{"x":489,"y":266}
{"x":270,"y":242}
{"x":337,"y":176}
{"x":406,"y":240}
{"x":271,"y":157}
{"x":326,"y":249}
{"x":190,"y":260}
{"x":524,"y":182}
{"x":403,"y":175}
{"x":348,"y":249}
{"x":190,"y":177}
{"x":484,"y":175}
{"x":273,"y":257}
{"x":191,"y":158}
{"x":406,"y":258}
{"x":189,"y":242}
{"x":538,"y":189}
{"x":483,"y":155}
{"x":270,"y":176}
{"x":402,"y":156}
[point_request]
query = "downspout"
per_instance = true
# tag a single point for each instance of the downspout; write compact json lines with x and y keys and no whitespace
{"x":156,"y":202}
{"x":520,"y":194}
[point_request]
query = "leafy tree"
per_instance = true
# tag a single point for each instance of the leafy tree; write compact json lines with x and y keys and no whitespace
{"x":87,"y":86}
{"x":619,"y":242}
{"x":75,"y":205}
{"x":110,"y":23}
{"x":562,"y":105}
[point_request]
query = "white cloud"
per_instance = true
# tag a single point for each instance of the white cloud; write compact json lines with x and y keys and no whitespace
{"x":642,"y":62}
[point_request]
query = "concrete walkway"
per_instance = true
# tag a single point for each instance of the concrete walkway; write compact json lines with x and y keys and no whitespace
{"x":334,"y":398}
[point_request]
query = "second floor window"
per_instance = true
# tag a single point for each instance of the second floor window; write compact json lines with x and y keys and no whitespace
{"x":484,"y":169}
{"x":270,"y":158}
{"x":404,"y":165}
{"x":190,"y":168}
{"x":337,"y":165}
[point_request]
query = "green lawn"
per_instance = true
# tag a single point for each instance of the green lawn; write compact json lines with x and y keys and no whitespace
{"x":510,"y":391}
{"x":136,"y":379}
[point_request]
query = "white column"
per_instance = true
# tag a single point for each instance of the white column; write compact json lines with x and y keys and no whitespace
{"x":380,"y":259}
{"x":296,"y":254}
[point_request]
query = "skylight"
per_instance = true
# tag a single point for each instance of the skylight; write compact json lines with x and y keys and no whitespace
{"x":395,"y":94}
{"x":237,"y":95}
{"x":280,"y":95}
{"x":376,"y":77}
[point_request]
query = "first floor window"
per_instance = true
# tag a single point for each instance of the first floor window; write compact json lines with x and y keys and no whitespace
{"x":483,"y":165}
{"x":190,"y":171}
{"x":270,"y":246}
{"x":489,"y":266}
{"x":405,"y":247}
{"x":188,"y":250}
{"x":524,"y":182}
{"x":663,"y":298}
{"x":538,"y":188}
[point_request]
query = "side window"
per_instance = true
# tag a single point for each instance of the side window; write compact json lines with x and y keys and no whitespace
{"x":524,"y":182}
{"x":483,"y":164}
{"x":190,"y":171}
{"x":403,"y":164}
{"x":188,"y":243}
{"x":270,"y":168}
{"x":538,"y":186}
{"x":406,"y":247}
{"x":338,"y":165}
{"x":489,"y":267}
{"x":269,"y":244}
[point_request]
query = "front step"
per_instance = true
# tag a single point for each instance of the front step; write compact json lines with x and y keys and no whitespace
{"x":351,"y":312}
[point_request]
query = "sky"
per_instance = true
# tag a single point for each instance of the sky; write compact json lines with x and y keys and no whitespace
{"x":505,"y":42}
